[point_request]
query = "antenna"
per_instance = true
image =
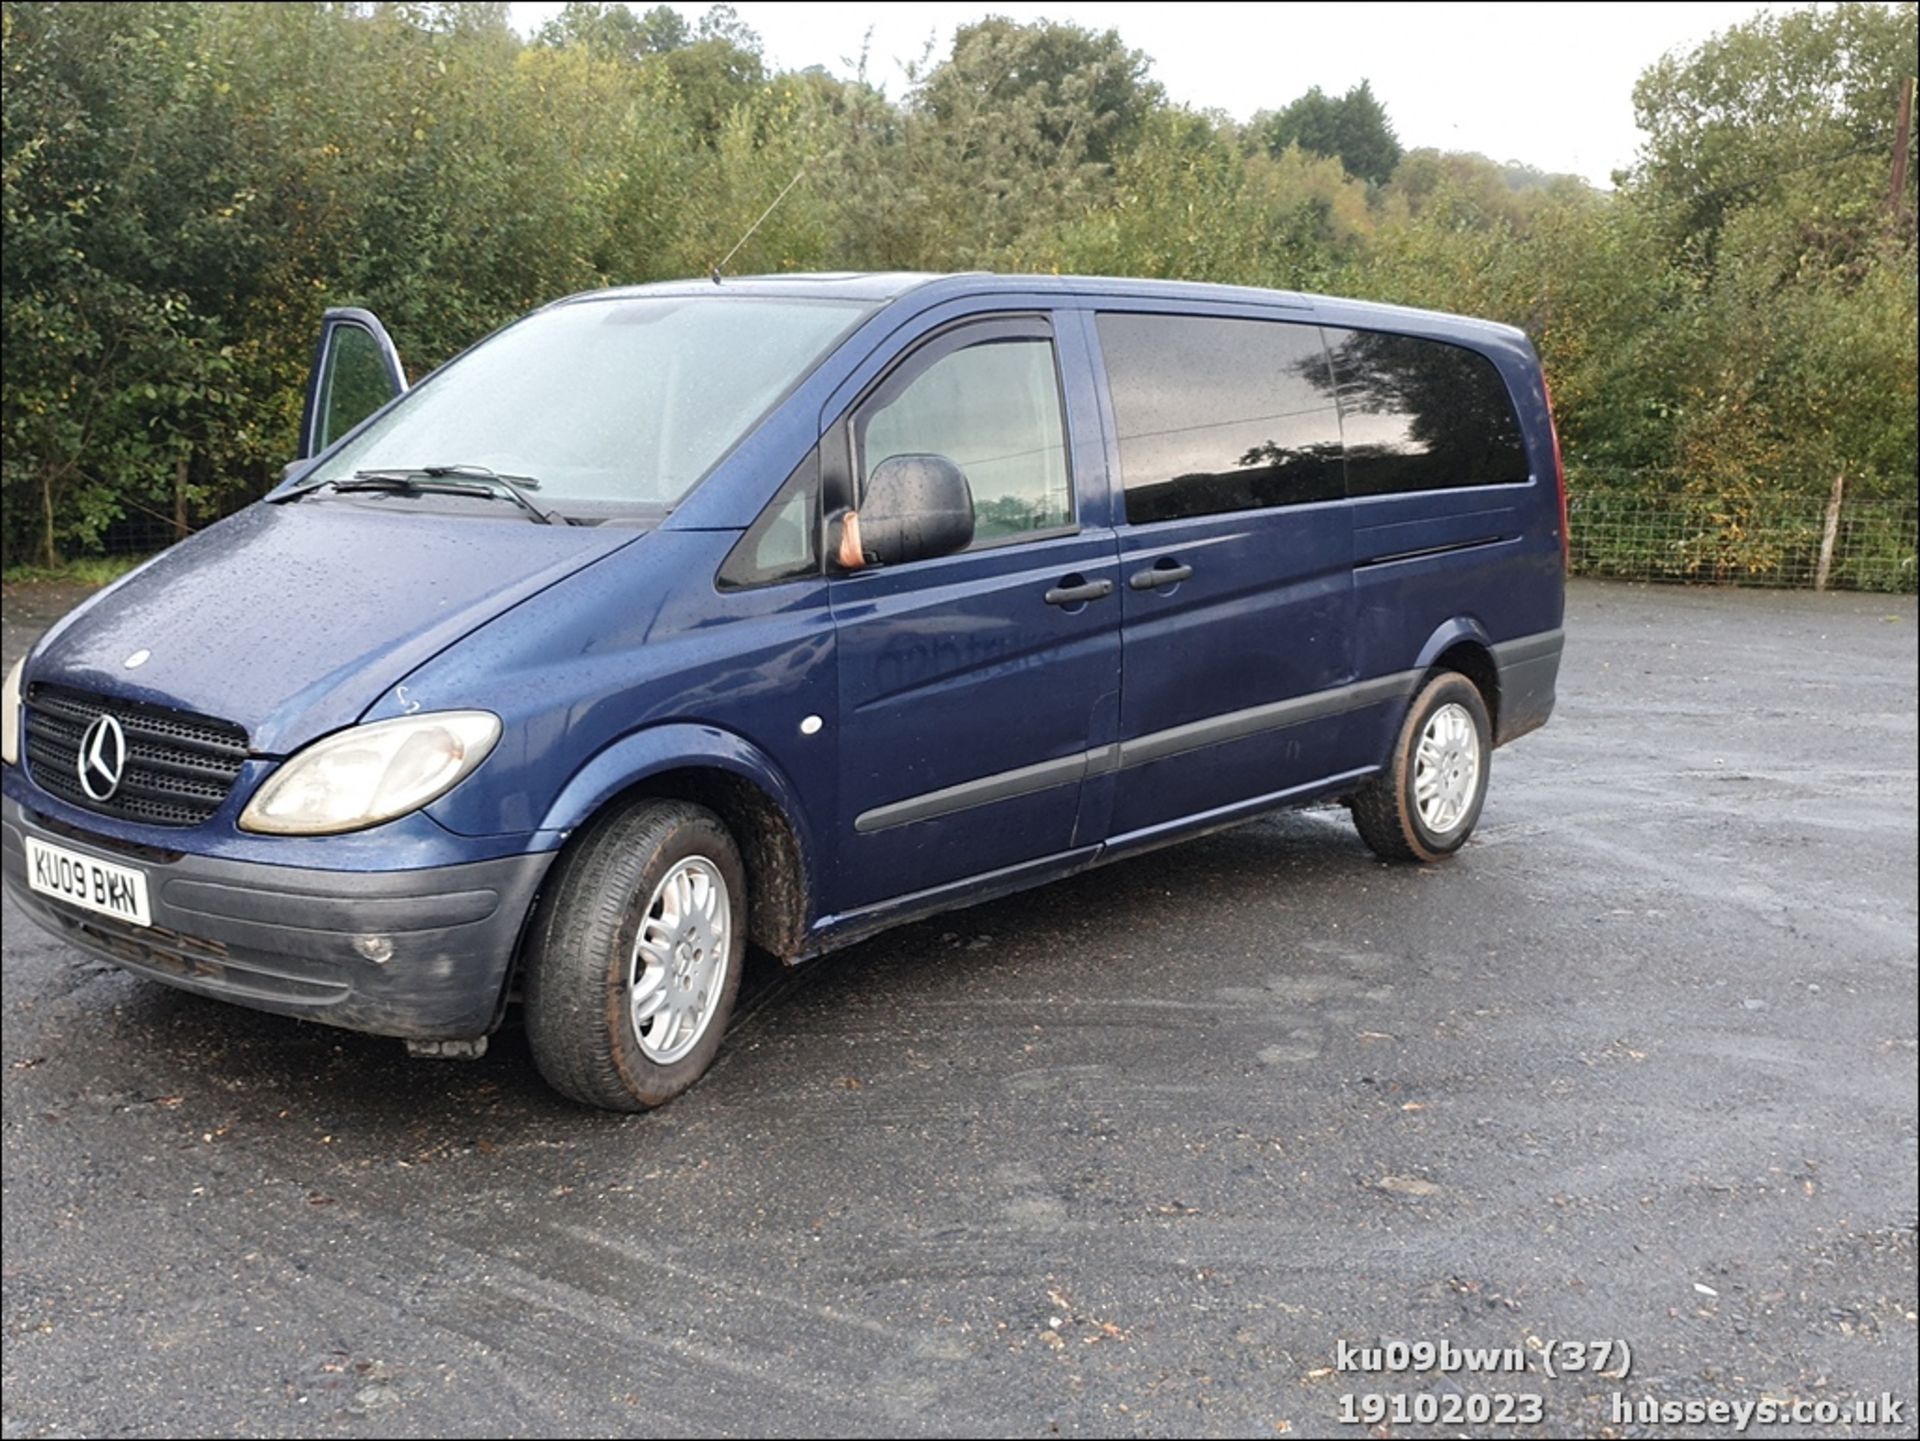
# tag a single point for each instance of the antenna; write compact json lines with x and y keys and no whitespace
{"x":714,"y":274}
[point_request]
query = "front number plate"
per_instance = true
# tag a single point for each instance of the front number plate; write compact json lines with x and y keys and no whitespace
{"x":86,"y":881}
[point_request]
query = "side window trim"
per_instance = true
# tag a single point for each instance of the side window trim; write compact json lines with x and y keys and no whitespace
{"x":841,"y":464}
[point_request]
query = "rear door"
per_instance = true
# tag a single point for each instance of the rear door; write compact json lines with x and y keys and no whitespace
{"x":973,"y":686}
{"x":356,"y":370}
{"x":1236,"y":565}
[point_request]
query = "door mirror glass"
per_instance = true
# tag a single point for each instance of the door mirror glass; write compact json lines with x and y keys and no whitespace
{"x":355,"y":371}
{"x":916,"y":507}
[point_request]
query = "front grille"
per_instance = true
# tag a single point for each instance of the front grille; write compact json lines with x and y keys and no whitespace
{"x":179,"y":768}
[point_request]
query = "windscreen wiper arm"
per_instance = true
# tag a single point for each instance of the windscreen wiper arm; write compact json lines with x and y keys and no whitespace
{"x":440,"y":479}
{"x":514,"y":487}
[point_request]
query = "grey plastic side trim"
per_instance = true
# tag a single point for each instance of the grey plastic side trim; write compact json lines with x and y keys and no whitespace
{"x":1234,"y":725}
{"x":1001,"y":786}
{"x":1529,"y":647}
{"x":1067,"y":770}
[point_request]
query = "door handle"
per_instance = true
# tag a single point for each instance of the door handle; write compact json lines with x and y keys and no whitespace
{"x":1156,"y":576}
{"x":1074,"y":591}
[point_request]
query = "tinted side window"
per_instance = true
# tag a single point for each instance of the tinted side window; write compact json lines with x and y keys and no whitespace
{"x":1218,"y":415}
{"x":1422,"y":415}
{"x":994,"y":410}
{"x":784,"y":543}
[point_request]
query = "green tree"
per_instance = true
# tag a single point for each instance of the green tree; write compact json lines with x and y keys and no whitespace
{"x":1353,"y":128}
{"x":1797,"y":101}
{"x":1189,"y":203}
{"x":1765,"y":172}
{"x":1084,"y":92}
{"x":122,"y":243}
{"x":1476,"y":190}
{"x":616,"y":30}
{"x":716,"y":65}
{"x":995,"y":141}
{"x":720,"y":69}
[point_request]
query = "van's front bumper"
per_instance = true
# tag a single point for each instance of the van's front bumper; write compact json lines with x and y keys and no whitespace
{"x":297,"y":941}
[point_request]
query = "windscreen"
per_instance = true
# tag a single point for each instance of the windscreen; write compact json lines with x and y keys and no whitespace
{"x":606,"y":402}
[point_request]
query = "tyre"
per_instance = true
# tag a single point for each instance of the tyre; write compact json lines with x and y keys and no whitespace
{"x":1423,"y":806}
{"x":635,"y":957}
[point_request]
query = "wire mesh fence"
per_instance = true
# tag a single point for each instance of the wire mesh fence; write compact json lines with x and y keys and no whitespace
{"x":1762,"y":541}
{"x":140,"y":531}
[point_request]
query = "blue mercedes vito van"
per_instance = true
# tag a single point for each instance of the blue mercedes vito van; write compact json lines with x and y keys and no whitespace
{"x":778,"y":611}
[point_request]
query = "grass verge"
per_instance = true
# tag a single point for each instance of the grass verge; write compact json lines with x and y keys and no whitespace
{"x":94,"y":570}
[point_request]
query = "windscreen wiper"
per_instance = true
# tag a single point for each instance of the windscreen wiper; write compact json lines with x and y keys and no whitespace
{"x":480,"y":472}
{"x":441,"y":480}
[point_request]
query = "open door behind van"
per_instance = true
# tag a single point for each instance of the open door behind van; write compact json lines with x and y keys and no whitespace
{"x":356,"y":370}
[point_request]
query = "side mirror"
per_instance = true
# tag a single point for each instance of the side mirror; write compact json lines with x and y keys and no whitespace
{"x":916,"y":507}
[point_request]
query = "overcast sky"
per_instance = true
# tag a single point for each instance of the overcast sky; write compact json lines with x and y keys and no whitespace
{"x":1547,"y":84}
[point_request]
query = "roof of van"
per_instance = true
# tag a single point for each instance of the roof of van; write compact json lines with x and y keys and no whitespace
{"x":880,"y":287}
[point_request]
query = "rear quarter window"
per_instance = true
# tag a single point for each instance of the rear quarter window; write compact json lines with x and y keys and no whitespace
{"x":1422,"y":415}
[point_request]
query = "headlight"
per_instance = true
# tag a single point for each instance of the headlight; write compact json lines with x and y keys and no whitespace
{"x":371,"y":773}
{"x":10,"y":721}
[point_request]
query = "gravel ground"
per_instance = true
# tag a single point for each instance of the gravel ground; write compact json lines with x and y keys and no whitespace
{"x":1132,"y":1154}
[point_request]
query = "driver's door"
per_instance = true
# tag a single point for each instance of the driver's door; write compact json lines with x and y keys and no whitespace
{"x":974,"y":687}
{"x":356,"y":370}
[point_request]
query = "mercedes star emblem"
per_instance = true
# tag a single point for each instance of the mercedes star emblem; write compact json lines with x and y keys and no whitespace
{"x":102,"y":758}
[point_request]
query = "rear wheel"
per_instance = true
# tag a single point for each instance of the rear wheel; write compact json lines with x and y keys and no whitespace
{"x":635,"y":960}
{"x":1423,"y":806}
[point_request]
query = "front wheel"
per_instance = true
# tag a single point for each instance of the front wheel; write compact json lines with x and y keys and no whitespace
{"x":635,"y":959}
{"x":1423,"y":806}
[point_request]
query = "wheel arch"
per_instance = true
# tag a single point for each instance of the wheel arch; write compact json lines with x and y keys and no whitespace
{"x":735,"y":780}
{"x":1462,"y":645}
